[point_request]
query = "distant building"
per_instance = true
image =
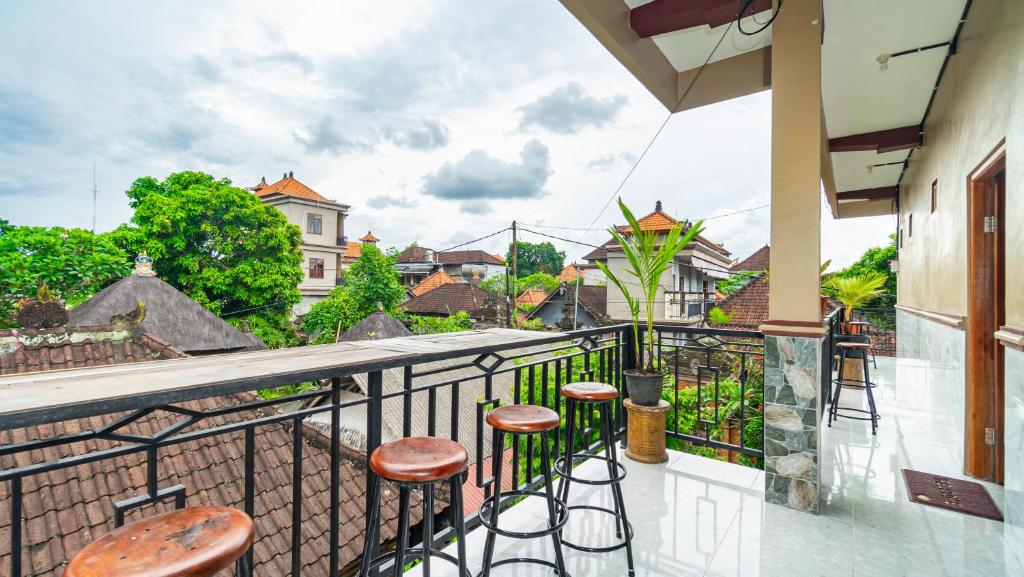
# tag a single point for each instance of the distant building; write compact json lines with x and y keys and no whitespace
{"x":430,"y":283}
{"x":322,"y":221}
{"x":589,"y":273}
{"x":449,"y":299}
{"x":687,"y":289}
{"x":562,"y":309}
{"x":163,"y":312}
{"x":416,"y":263}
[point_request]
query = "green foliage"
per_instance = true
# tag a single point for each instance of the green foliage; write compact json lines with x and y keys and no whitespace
{"x":855,"y":291}
{"x":495,"y":284}
{"x":423,"y":325}
{"x":74,"y":264}
{"x":373,"y":279}
{"x":217,"y":243}
{"x":331,"y":316}
{"x":735,"y":282}
{"x":532,"y":325}
{"x":536,"y":257}
{"x":647,"y":259}
{"x":875,"y":261}
{"x":719,"y":317}
{"x":286,"y":391}
{"x":277,"y":332}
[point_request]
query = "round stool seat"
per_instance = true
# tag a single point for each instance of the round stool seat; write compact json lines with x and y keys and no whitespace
{"x":191,"y":542}
{"x":853,"y":346}
{"x":523,"y":419}
{"x":419,"y":459}
{"x":589,"y":391}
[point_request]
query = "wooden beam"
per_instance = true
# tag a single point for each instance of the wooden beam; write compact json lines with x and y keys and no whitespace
{"x":879,"y":141}
{"x":883,"y":193}
{"x":664,"y":16}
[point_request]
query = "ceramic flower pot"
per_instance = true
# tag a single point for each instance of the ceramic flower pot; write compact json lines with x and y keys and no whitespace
{"x":644,"y":388}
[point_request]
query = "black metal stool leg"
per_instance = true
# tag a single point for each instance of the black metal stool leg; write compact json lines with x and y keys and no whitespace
{"x":834,"y":410}
{"x":403,"y":529}
{"x":460,"y":523}
{"x":372,"y":520}
{"x":620,"y":505}
{"x":556,"y":539}
{"x":608,"y":440}
{"x":868,"y":386}
{"x":570,"y":426}
{"x":497,"y":456}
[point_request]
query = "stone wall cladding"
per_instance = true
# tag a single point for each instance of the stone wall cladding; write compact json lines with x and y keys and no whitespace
{"x":792,"y":376}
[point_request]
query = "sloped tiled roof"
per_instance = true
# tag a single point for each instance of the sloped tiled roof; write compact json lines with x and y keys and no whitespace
{"x":431,"y":282}
{"x":448,"y":299}
{"x":368,"y":237}
{"x":659,"y":222}
{"x":599,"y":253}
{"x":467,"y":257}
{"x":531,"y":297}
{"x":353,"y":250}
{"x":757,"y":261}
{"x":749,"y":305}
{"x":31,"y":350}
{"x":570,"y":273}
{"x":415,"y":254}
{"x":594,"y":299}
{"x":289,"y":186}
{"x":66,"y":509}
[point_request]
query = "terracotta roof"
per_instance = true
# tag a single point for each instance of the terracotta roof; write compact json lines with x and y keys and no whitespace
{"x":448,"y":299}
{"x":757,"y":261}
{"x":431,"y":282}
{"x":353,"y":250}
{"x":467,"y":257}
{"x":31,"y":350}
{"x":657,"y":221}
{"x":499,"y":257}
{"x":68,"y":508}
{"x":749,"y":305}
{"x":288,"y":186}
{"x":532,"y":297}
{"x":369,"y":237}
{"x":415,"y":254}
{"x":570,"y":273}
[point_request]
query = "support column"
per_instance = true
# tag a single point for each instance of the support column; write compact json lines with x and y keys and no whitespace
{"x":794,"y":331}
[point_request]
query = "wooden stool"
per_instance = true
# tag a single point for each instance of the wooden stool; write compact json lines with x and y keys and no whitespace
{"x":862,"y":350}
{"x":416,"y":462}
{"x":191,"y":542}
{"x":519,"y":420}
{"x":585,"y":395}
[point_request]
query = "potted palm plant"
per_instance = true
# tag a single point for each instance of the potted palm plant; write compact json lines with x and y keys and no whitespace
{"x":854,"y":291}
{"x":647,"y":257}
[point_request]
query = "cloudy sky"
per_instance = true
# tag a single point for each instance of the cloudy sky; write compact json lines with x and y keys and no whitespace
{"x":438,"y":121}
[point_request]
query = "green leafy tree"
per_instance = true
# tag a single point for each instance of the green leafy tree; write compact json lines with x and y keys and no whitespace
{"x":74,"y":263}
{"x":372,"y":279}
{"x":217,"y":243}
{"x":423,"y":325}
{"x":875,"y":261}
{"x":536,"y":257}
{"x":495,"y":284}
{"x":719,"y":317}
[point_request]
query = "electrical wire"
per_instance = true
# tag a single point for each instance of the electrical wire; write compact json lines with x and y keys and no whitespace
{"x":451,"y":248}
{"x":749,"y":5}
{"x":661,"y":128}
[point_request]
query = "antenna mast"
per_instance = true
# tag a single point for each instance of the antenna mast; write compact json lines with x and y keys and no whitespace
{"x":95,"y":192}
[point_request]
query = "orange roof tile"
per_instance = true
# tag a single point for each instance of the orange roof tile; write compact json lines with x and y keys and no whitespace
{"x":353,"y":250}
{"x":369,"y":237}
{"x":570,"y":273}
{"x":531,"y":297}
{"x":431,"y":282}
{"x":288,"y":186}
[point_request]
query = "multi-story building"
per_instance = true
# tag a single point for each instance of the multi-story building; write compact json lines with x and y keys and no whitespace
{"x":417,"y":263}
{"x":322,"y":221}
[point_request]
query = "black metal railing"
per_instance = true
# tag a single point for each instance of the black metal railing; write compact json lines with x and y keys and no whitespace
{"x":833,"y":334}
{"x":880,"y":328}
{"x":297,"y":463}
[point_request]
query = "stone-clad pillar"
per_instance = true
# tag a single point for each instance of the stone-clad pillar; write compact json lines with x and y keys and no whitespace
{"x":792,"y":377}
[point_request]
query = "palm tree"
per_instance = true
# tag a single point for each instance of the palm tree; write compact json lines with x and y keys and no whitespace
{"x":855,"y":291}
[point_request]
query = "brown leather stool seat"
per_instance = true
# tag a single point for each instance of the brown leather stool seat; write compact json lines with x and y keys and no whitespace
{"x":191,"y":542}
{"x":589,"y":391}
{"x":419,"y":460}
{"x":853,"y":346}
{"x":523,"y":419}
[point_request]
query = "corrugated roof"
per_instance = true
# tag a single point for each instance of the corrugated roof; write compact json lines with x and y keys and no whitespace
{"x":431,"y":282}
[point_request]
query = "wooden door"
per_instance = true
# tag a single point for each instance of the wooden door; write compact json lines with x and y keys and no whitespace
{"x":986,"y":313}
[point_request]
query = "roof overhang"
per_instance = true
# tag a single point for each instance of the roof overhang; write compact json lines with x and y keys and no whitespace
{"x":881,"y":63}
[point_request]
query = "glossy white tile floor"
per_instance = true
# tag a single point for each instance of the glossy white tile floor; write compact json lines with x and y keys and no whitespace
{"x":698,"y":517}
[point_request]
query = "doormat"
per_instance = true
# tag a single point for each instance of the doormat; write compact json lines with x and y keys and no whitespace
{"x":953,"y":494}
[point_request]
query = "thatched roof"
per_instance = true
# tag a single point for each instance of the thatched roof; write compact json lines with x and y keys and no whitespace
{"x":379,"y":325}
{"x":169,"y":315}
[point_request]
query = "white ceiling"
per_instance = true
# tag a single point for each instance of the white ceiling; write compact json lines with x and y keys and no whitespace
{"x":688,"y":49}
{"x":859,"y":97}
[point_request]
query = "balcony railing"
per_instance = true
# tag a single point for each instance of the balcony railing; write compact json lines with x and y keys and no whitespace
{"x":157,"y":435}
{"x":687,"y":306}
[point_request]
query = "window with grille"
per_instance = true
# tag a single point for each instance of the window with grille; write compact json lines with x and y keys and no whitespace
{"x":316,"y":268}
{"x":314,"y":224}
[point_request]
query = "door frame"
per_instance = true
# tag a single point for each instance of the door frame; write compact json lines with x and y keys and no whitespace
{"x":985,"y":314}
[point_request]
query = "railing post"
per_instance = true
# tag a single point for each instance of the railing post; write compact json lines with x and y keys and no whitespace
{"x":374,"y":393}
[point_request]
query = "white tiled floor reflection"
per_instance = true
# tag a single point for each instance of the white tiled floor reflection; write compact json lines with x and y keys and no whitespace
{"x":698,"y":517}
